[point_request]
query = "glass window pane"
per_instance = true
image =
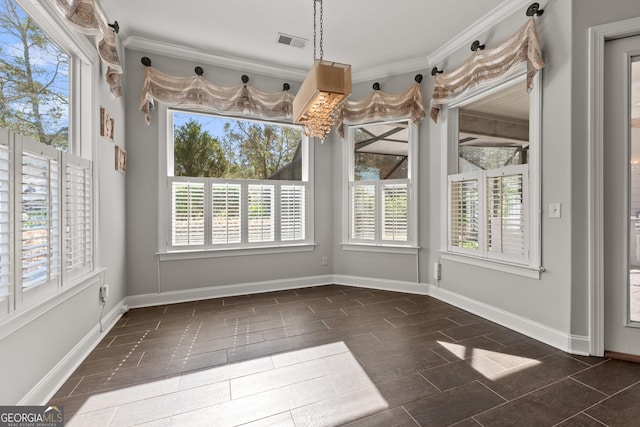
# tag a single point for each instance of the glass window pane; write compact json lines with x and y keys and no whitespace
{"x":34,"y":71}
{"x":218,"y":147}
{"x":381,"y":151}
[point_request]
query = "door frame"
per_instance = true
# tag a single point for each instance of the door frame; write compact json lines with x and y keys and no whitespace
{"x":598,"y":35}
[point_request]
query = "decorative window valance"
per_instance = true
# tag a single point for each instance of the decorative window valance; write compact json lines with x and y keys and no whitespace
{"x":86,"y":17}
{"x":196,"y":92}
{"x":485,"y":65}
{"x":379,"y":105}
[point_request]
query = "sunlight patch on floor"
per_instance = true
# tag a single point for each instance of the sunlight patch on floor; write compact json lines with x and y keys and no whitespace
{"x":322,"y":385}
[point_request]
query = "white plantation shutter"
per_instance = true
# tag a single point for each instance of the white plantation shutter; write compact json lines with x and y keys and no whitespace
{"x":363,"y":211}
{"x":226,"y":213}
{"x":506,"y":213}
{"x":188,"y":209}
{"x":40,"y":220}
{"x":293,"y":214}
{"x":78,"y":213}
{"x":6,"y":279}
{"x":395,"y":214}
{"x":260,"y":213}
{"x":464,"y":212}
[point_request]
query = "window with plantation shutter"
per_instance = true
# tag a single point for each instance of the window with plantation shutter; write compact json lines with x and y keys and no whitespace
{"x":492,"y":160}
{"x":226,"y":213}
{"x":188,"y":208}
{"x":78,"y":213}
{"x":234,"y":185}
{"x":363,"y":211}
{"x":488,"y":213}
{"x":40,"y":216}
{"x":506,"y":210}
{"x":6,"y":279}
{"x":395,"y":212}
{"x":260,"y":213}
{"x":381,"y":194}
{"x":293,"y":223}
{"x":464,"y":212}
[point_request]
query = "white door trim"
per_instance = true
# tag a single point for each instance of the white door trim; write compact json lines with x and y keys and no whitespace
{"x":597,"y":37}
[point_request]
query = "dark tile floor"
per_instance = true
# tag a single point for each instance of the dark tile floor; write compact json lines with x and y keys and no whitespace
{"x":337,"y":355}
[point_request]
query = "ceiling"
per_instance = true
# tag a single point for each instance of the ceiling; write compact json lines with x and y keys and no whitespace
{"x":378,"y":38}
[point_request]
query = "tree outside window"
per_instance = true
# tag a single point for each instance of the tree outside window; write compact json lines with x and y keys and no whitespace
{"x":34,"y":79}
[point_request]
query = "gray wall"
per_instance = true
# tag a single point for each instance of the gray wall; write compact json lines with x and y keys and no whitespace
{"x":142,"y":200}
{"x":547,"y":300}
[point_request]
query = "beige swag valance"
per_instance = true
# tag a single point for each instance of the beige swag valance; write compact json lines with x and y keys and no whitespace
{"x":382,"y":106}
{"x":87,"y":18}
{"x":485,"y":65}
{"x":198,"y":93}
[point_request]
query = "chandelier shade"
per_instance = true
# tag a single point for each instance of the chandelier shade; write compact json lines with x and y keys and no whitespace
{"x":323,"y":90}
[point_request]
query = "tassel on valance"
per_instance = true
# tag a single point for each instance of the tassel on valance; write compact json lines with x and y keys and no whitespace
{"x":485,"y":65}
{"x":379,"y":105}
{"x":198,"y":93}
{"x":86,"y":17}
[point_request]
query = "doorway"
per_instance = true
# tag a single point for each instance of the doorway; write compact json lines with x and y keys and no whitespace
{"x":621,"y":197}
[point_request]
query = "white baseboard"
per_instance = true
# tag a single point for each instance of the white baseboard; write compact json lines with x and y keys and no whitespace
{"x":172,"y":297}
{"x":44,"y":390}
{"x":381,"y":284}
{"x":575,"y":344}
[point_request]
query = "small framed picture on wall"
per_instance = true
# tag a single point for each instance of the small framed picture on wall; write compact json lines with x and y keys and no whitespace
{"x":121,"y":159}
{"x":107,"y":124}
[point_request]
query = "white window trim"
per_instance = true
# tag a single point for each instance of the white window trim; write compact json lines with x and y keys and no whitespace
{"x":165,"y":162}
{"x":83,"y":119}
{"x":349,"y":244}
{"x":449,"y":165}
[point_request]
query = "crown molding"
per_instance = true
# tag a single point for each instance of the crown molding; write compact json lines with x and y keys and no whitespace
{"x":189,"y":54}
{"x":482,"y":25}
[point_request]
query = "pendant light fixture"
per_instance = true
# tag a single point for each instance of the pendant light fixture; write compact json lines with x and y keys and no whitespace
{"x":323,"y":90}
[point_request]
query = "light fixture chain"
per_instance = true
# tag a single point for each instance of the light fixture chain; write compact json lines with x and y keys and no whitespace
{"x":321,"y":31}
{"x":314,"y":29}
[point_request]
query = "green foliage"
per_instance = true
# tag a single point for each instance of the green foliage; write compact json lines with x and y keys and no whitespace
{"x":197,"y":154}
{"x":33,"y":79}
{"x":259,"y":150}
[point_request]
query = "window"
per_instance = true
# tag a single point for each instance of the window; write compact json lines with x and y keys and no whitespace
{"x":46,"y":187}
{"x":492,"y":196}
{"x":381,"y":192}
{"x":236,"y":183}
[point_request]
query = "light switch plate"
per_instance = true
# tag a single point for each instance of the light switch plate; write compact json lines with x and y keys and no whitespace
{"x":555,"y":210}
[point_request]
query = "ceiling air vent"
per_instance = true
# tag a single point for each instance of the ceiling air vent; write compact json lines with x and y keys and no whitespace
{"x":291,"y":40}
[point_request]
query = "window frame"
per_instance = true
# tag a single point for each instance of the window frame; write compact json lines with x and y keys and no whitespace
{"x":378,"y":244}
{"x":167,"y":251}
{"x":25,"y":304}
{"x":532,"y":267}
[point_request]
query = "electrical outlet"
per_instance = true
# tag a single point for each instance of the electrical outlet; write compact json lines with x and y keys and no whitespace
{"x":437,"y":271}
{"x":104,"y":292}
{"x":325,"y":260}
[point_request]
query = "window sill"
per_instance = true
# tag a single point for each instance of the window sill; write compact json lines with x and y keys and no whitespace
{"x":389,"y":249}
{"x":14,"y":320}
{"x":228,"y":252}
{"x":531,"y":272}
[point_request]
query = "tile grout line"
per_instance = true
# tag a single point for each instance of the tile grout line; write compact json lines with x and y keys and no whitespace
{"x":410,"y":416}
